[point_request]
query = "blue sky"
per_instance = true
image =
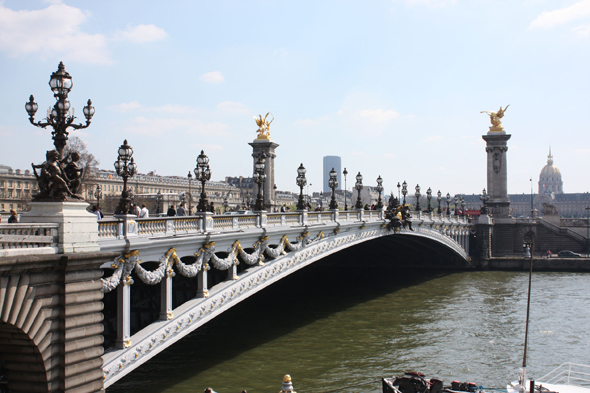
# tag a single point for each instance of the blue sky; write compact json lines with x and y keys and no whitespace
{"x":393,"y":87}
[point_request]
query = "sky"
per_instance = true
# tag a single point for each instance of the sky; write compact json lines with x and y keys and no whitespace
{"x":394,"y":87}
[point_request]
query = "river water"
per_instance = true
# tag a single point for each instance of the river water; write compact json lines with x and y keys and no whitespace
{"x":333,"y":328}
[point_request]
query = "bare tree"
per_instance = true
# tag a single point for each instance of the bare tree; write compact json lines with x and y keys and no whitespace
{"x":87,"y":161}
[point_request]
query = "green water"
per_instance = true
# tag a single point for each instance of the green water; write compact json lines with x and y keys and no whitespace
{"x":330,"y":330}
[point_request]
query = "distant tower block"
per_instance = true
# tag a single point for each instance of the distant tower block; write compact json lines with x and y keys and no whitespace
{"x":496,"y":147}
{"x":263,"y":144}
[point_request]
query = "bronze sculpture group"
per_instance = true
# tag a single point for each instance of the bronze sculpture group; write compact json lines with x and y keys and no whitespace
{"x":59,"y":180}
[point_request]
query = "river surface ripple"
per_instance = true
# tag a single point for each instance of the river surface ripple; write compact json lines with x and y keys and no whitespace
{"x":334,"y":328}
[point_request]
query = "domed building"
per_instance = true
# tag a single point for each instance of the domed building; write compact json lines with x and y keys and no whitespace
{"x":550,"y":178}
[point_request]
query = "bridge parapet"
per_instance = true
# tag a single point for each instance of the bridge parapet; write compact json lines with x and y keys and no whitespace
{"x":28,"y":239}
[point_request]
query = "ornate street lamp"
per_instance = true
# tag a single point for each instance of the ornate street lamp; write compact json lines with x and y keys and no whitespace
{"x":456,"y":205}
{"x":59,"y":118}
{"x":226,"y":203}
{"x":429,"y":197}
{"x":359,"y":186}
{"x":203,"y":174}
{"x":462,"y":206}
{"x":159,"y":200}
{"x":398,"y":188}
{"x":125,"y":168}
{"x":190,"y":196}
{"x":484,"y":197}
{"x":98,"y":195}
{"x":404,"y":190}
{"x":417,"y":195}
{"x":58,"y":187}
{"x":345,"y":173}
{"x":438,"y":198}
{"x":259,"y":178}
{"x":333,"y":183}
{"x":448,"y":204}
{"x":301,"y":182}
{"x":379,"y":190}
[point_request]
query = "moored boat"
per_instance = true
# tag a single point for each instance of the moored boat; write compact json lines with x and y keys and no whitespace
{"x":415,"y":382}
{"x":567,"y":378}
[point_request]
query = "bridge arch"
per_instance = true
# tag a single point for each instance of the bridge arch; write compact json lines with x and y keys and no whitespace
{"x":313,"y":244}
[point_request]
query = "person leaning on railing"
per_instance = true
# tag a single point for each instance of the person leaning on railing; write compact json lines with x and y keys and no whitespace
{"x":13,"y":219}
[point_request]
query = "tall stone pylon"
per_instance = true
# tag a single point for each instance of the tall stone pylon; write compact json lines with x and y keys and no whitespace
{"x":263,"y":144}
{"x":497,"y":168}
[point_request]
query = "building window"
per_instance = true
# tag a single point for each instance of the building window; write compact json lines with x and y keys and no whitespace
{"x":19,"y":185}
{"x":10,"y":184}
{"x":10,"y":195}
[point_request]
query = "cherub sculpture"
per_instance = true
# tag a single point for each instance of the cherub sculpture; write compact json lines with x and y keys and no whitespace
{"x":263,"y":126}
{"x":496,"y":116}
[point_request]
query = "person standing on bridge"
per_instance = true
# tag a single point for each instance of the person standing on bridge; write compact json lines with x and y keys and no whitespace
{"x":180,"y":211}
{"x":171,"y":211}
{"x":144,"y":213}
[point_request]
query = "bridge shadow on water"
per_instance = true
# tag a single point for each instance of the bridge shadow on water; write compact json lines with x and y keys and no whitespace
{"x":329,"y":286}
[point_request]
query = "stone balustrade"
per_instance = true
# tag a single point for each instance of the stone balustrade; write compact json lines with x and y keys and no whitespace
{"x":28,"y":239}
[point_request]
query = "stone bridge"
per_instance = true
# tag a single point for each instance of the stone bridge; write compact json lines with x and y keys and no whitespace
{"x":226,"y":259}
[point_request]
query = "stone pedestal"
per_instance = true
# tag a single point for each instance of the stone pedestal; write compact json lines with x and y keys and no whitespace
{"x":78,"y":229}
{"x":268,"y":147}
{"x":497,"y":179}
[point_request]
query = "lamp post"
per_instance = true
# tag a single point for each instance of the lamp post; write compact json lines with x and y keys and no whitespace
{"x":345,"y":173}
{"x":159,"y":200}
{"x":359,"y":186}
{"x":462,"y":206}
{"x":448,"y":204}
{"x":226,"y":203}
{"x":125,"y":168}
{"x":404,"y":190}
{"x":57,"y":187}
{"x":438,"y":198}
{"x":484,"y":197}
{"x":202,"y":174}
{"x":398,"y":188}
{"x":333,"y":183}
{"x":456,"y":200}
{"x":98,"y":195}
{"x":417,"y":195}
{"x":260,"y":178}
{"x":190,"y":196}
{"x":59,"y":117}
{"x":379,"y":190}
{"x":301,"y":182}
{"x":588,"y":228}
{"x":429,"y":197}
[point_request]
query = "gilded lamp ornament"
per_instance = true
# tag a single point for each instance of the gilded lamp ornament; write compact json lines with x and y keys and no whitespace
{"x":59,"y":176}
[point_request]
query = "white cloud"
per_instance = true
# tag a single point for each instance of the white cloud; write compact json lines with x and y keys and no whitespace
{"x":212,"y":77}
{"x":232,"y":108}
{"x":125,"y":107}
{"x":141,"y":33}
{"x":582,"y":31}
{"x":430,"y":3}
{"x":52,"y":31}
{"x":171,"y":108}
{"x":176,"y":127}
{"x":311,"y":122}
{"x":551,"y":18}
{"x":378,"y":115}
{"x":433,"y":139}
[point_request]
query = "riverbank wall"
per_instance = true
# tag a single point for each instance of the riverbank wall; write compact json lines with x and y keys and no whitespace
{"x":539,"y":264}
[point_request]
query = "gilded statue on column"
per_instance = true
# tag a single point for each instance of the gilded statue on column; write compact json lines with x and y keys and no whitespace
{"x":495,"y":118}
{"x":263,"y":126}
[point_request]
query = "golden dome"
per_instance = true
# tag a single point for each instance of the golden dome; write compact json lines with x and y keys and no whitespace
{"x":550,"y":169}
